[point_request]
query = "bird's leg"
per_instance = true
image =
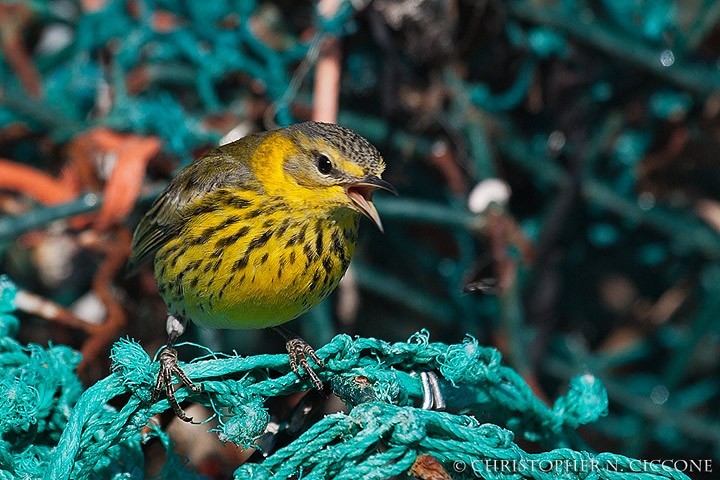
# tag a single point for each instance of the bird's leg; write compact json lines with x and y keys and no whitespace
{"x":169,"y":366}
{"x":299,"y":351}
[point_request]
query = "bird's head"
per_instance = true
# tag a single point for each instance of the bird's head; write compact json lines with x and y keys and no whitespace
{"x":328,"y":166}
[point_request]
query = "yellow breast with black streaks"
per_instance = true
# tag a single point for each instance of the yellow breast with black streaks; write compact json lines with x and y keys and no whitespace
{"x":248,"y":262}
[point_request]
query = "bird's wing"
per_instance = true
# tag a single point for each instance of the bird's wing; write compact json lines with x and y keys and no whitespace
{"x":226,"y":166}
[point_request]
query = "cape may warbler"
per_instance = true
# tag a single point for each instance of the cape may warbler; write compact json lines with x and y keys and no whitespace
{"x":257,"y":232}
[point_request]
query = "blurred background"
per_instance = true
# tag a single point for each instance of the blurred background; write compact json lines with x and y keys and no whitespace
{"x":557,"y":162}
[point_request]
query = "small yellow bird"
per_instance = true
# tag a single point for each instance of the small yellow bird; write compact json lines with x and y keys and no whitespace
{"x":258,"y":232}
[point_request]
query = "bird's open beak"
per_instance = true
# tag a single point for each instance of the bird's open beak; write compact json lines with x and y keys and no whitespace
{"x":361,"y":195}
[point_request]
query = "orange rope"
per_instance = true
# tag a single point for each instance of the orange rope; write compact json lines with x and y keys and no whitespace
{"x":327,"y":72}
{"x":123,"y":187}
{"x":36,"y":184}
{"x":121,"y":190}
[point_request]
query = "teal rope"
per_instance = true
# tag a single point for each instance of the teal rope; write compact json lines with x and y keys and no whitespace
{"x":688,"y":75}
{"x":82,"y":436}
{"x":341,"y":445}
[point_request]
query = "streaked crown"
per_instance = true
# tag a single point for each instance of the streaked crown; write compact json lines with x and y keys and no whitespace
{"x":352,"y":146}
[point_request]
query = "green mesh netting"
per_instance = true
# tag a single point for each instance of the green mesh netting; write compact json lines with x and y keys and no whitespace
{"x":51,"y":428}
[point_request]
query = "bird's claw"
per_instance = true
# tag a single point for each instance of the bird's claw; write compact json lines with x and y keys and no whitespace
{"x":299,"y":351}
{"x":164,"y":383}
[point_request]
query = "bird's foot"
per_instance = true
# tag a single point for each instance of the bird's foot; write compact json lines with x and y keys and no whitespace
{"x":299,"y":351}
{"x":164,"y":383}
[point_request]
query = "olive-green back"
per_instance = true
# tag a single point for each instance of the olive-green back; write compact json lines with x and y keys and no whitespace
{"x":225,"y":166}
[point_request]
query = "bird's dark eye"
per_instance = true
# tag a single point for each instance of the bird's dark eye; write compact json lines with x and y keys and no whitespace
{"x":324,"y":164}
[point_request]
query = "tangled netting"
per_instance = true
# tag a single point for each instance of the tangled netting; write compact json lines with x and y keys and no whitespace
{"x":51,"y":428}
{"x":203,"y":44}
